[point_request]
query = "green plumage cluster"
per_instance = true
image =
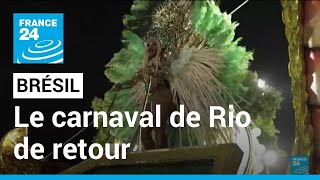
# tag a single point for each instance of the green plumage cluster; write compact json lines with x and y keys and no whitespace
{"x":219,"y":31}
{"x":115,"y":101}
{"x":140,"y":20}
{"x":262,"y":105}
{"x":125,"y":64}
{"x":121,"y":68}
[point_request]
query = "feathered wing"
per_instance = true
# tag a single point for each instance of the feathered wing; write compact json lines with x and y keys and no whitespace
{"x":218,"y":31}
{"x":123,"y":67}
{"x":127,"y":62}
{"x":140,"y":19}
{"x":116,"y":101}
{"x":209,"y":73}
{"x":194,"y":84}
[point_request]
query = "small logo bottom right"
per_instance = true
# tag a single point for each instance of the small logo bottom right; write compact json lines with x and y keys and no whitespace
{"x":299,"y":165}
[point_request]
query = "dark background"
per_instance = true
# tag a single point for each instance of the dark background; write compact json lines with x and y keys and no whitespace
{"x":92,"y":35}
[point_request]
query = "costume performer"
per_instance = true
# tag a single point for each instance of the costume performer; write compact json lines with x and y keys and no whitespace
{"x":187,"y":49}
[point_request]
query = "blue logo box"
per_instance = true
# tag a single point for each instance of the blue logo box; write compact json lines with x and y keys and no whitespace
{"x":38,"y":38}
{"x":299,"y":165}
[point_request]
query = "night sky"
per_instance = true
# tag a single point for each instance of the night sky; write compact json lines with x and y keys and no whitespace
{"x":92,"y":34}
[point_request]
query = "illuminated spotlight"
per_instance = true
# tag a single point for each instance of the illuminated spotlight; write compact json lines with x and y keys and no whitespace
{"x":261,"y":83}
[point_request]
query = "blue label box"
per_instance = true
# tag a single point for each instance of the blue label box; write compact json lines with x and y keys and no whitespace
{"x":299,"y":165}
{"x":38,"y":38}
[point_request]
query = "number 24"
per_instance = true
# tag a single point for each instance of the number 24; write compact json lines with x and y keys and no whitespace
{"x":26,"y":35}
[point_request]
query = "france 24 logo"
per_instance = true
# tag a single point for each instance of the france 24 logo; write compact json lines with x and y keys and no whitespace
{"x":299,"y":165}
{"x":38,"y":38}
